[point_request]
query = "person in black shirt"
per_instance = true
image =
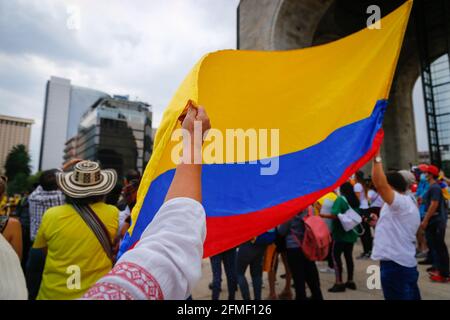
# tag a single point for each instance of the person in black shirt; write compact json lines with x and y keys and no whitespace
{"x":434,"y":224}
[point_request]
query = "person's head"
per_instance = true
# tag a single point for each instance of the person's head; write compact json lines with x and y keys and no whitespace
{"x":371,"y":185}
{"x":112,"y":198}
{"x":47,"y":180}
{"x":431,"y":172}
{"x":87,"y":183}
{"x":3,"y":182}
{"x":409,"y":177}
{"x":396,"y":181}
{"x":359,"y":176}
{"x":346,"y":190}
{"x":132,"y":175}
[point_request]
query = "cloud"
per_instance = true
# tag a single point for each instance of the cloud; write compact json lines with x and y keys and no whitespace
{"x":41,"y":28}
{"x":142,"y":48}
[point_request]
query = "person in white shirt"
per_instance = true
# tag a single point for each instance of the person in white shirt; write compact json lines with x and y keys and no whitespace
{"x":395,"y":235}
{"x":166,"y":262}
{"x":12,"y":279}
{"x":361,"y":190}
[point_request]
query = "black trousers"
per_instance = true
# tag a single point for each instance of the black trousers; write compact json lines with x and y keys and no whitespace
{"x":330,"y":260}
{"x":436,"y":241}
{"x":346,"y":248}
{"x":303,"y":272}
{"x":366,"y":237}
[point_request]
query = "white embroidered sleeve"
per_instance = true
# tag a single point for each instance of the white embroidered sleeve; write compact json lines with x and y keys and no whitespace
{"x":165,"y":263}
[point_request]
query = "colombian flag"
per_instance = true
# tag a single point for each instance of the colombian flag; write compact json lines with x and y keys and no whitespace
{"x":327,"y":103}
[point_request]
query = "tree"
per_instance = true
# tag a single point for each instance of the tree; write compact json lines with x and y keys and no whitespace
{"x":17,"y":161}
{"x":18,"y":185}
{"x":33,"y":180}
{"x":17,"y":169}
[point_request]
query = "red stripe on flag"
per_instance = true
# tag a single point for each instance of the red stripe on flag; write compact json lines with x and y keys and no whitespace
{"x":224,"y":233}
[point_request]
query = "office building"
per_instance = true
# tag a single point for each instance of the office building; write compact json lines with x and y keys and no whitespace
{"x":13,"y":131}
{"x":116,"y":132}
{"x":64,"y":106}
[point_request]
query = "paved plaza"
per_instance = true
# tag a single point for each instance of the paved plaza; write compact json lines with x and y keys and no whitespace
{"x":429,"y":290}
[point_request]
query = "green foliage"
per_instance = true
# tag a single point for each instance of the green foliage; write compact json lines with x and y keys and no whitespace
{"x":18,"y":169}
{"x":18,"y":185}
{"x":17,"y":162}
{"x":34,"y":180}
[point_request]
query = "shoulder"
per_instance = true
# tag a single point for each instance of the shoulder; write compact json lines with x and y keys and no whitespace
{"x":435,"y":190}
{"x":56,"y":213}
{"x":402,"y":202}
{"x":339,"y":200}
{"x":53,"y":211}
{"x":435,"y":187}
{"x":35,"y":192}
{"x":13,"y":223}
{"x":13,"y":228}
{"x":109,"y":214}
{"x":339,"y":204}
{"x":108,"y":208}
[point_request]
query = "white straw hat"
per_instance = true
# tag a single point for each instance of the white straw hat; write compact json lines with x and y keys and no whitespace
{"x":86,"y":180}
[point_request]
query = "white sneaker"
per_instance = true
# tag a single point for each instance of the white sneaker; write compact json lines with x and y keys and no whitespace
{"x":326,"y":270}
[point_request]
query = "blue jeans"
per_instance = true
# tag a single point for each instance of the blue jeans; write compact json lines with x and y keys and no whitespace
{"x":399,"y":282}
{"x":228,"y":258}
{"x":252,"y":255}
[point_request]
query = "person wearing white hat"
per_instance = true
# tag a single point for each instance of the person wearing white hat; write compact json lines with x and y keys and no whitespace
{"x":78,"y":236}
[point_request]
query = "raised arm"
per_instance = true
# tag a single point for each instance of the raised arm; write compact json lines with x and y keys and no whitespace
{"x":166,"y":262}
{"x":380,"y":181}
{"x":187,"y":179}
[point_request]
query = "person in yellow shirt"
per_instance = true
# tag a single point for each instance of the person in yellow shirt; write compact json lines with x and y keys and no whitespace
{"x":75,"y":255}
{"x":324,"y":205}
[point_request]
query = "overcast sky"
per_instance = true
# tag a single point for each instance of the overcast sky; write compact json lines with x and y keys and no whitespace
{"x":140,"y":48}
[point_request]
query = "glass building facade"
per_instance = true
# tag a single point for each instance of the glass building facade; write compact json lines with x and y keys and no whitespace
{"x":115,"y":132}
{"x":440,"y":72}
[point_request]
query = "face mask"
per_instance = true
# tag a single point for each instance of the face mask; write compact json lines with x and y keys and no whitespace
{"x":423,"y":177}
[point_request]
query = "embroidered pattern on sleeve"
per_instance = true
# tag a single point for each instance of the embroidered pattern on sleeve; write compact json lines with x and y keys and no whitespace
{"x":133,"y":274}
{"x":107,"y":291}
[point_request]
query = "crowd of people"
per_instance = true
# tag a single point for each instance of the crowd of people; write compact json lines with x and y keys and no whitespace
{"x":45,"y":230}
{"x":403,"y":219}
{"x":61,"y":240}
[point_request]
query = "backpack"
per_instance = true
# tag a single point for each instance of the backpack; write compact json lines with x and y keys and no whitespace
{"x":316,"y":239}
